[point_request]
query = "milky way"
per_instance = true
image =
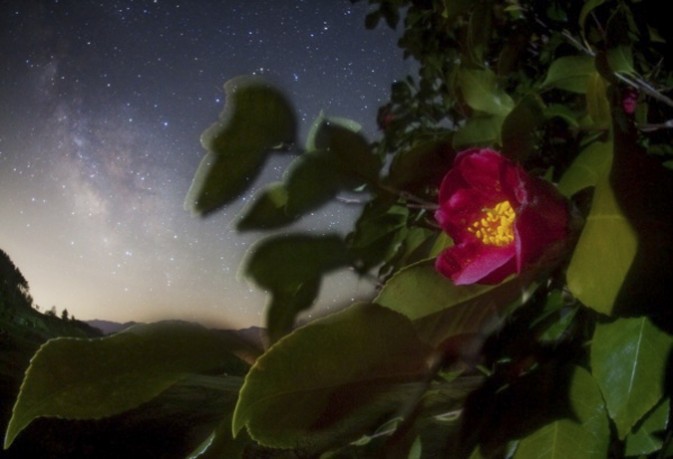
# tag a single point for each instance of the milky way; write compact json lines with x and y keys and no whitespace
{"x":102,"y":105}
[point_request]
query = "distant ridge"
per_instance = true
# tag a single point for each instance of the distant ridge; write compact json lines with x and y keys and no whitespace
{"x":107,"y":327}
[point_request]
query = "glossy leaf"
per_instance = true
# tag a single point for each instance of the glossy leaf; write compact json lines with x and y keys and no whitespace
{"x":647,"y":437}
{"x":332,"y":380}
{"x":94,"y":378}
{"x":598,"y":106}
{"x":480,"y":90}
{"x":628,"y":359}
{"x":604,"y":252}
{"x":221,"y":443}
{"x":419,"y":291}
{"x":570,"y":73}
{"x":441,"y":309}
{"x":256,"y":119}
{"x":290,"y":269}
{"x":591,"y":164}
{"x":585,"y":435}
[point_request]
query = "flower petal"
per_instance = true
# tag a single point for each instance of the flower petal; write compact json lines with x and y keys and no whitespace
{"x":474,"y":262}
{"x":541,"y":221}
{"x":483,"y":170}
{"x":469,"y":198}
{"x":463,"y":207}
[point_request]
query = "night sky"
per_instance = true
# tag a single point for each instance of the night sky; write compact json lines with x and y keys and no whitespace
{"x":101,"y":108}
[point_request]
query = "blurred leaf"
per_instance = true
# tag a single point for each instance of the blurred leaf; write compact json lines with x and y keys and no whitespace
{"x":598,"y":106}
{"x":570,"y":73}
{"x":589,"y":166}
{"x":255,"y":119}
{"x":267,"y":211}
{"x":648,"y":436}
{"x":372,"y":19}
{"x":478,"y":34}
{"x":286,"y":303}
{"x":313,"y":179}
{"x":94,"y":378}
{"x":628,"y":359}
{"x":585,"y":435}
{"x":436,"y":158}
{"x":455,"y":8}
{"x":290,"y":268}
{"x":341,"y":140}
{"x":620,"y":59}
{"x":315,"y":138}
{"x":332,"y":380}
{"x":478,"y":130}
{"x":519,"y":130}
{"x":338,"y":158}
{"x":480,"y":90}
{"x":605,"y":250}
{"x":563,"y":112}
{"x":587,"y":8}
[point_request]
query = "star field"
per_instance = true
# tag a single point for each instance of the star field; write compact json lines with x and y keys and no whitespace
{"x":103,"y":104}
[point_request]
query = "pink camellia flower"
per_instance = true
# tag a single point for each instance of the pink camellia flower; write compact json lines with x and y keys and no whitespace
{"x":499,"y":217}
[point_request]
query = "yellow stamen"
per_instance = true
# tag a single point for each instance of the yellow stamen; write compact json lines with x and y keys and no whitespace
{"x":495,"y":226}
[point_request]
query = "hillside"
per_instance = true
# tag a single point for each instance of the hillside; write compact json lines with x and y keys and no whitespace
{"x":169,"y":426}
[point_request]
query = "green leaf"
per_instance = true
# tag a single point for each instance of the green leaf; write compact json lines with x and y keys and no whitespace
{"x":255,"y":119}
{"x":290,"y":267}
{"x":570,"y":73}
{"x":629,"y":359}
{"x":338,"y":158}
{"x":620,"y":59}
{"x":94,"y":378}
{"x":554,"y":319}
{"x":441,"y":309}
{"x":648,"y":436}
{"x":342,"y":141}
{"x":561,"y":111}
{"x":589,"y":166}
{"x":333,"y":380}
{"x":519,"y":136}
{"x":419,"y":291}
{"x":598,"y":106}
{"x":604,"y":252}
{"x":587,"y":8}
{"x":378,"y":231}
{"x":586,"y":435}
{"x":267,"y":211}
{"x":480,"y":90}
{"x":436,"y":156}
{"x":311,"y":180}
{"x":221,"y":444}
{"x":478,"y":130}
